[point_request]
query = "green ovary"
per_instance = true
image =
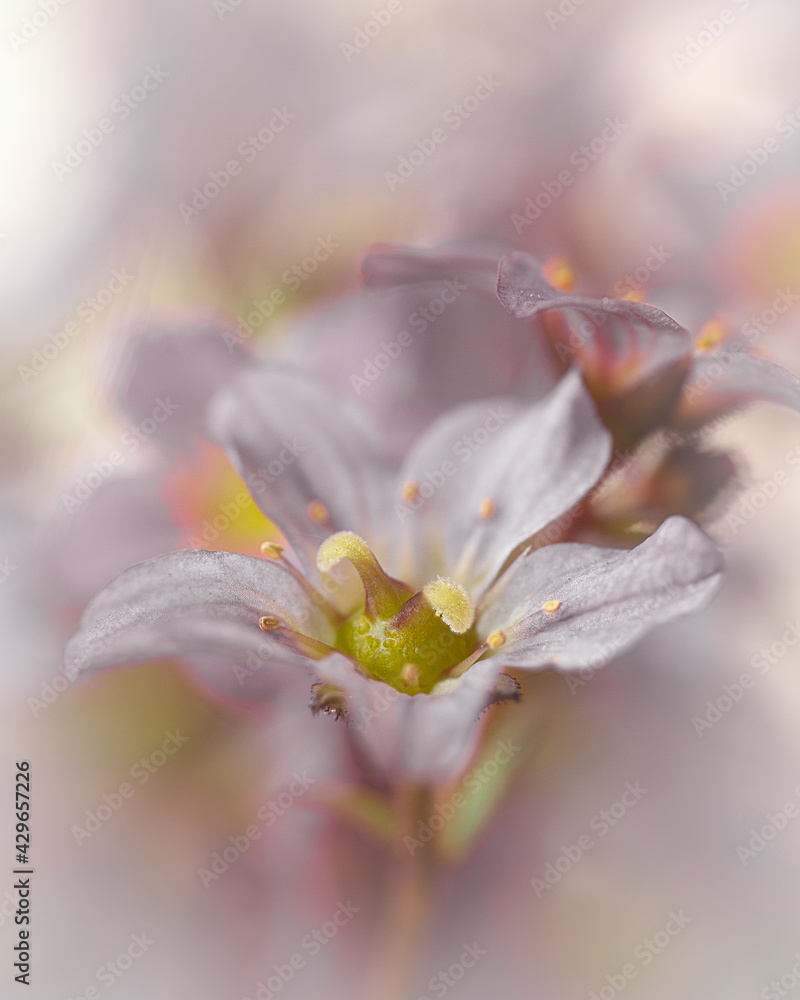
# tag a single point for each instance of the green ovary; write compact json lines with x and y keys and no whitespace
{"x":383,"y":651}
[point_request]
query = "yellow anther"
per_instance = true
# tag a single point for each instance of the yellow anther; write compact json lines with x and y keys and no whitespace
{"x":410,"y":674}
{"x":496,"y":639}
{"x":633,"y":296}
{"x":451,"y":603}
{"x":712,"y":334}
{"x":269,"y":623}
{"x":550,"y":607}
{"x":342,"y":545}
{"x":487,"y":508}
{"x":410,"y":492}
{"x":318,"y":512}
{"x":272,"y":550}
{"x":559,"y":273}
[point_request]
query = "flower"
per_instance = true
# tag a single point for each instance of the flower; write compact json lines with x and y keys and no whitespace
{"x":643,"y":369}
{"x":656,"y":386}
{"x":446,"y":582}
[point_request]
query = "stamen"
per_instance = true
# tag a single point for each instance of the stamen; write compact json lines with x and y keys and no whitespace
{"x":550,"y":607}
{"x":496,"y":639}
{"x":318,"y":512}
{"x":306,"y":645}
{"x":410,"y":492}
{"x":451,"y":603}
{"x":274,"y":551}
{"x":559,"y":273}
{"x":633,"y":296}
{"x":461,"y":668}
{"x":487,"y":508}
{"x":711,"y":335}
{"x":383,"y":595}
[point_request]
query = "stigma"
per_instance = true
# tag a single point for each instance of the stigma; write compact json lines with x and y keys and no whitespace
{"x":404,"y":637}
{"x":383,"y":596}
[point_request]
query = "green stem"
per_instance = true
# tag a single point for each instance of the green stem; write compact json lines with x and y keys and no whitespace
{"x":408,"y":902}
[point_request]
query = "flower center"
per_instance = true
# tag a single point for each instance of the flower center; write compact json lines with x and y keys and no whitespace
{"x":404,"y":638}
{"x":411,"y":659}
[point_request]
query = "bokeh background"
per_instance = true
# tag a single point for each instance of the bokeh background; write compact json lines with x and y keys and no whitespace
{"x":679,"y":127}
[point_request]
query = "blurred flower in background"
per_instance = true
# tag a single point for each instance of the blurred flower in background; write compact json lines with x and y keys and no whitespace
{"x":197,"y":186}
